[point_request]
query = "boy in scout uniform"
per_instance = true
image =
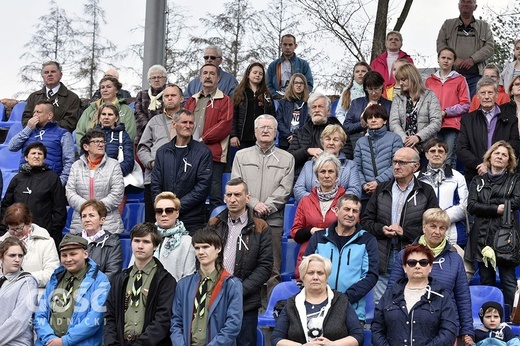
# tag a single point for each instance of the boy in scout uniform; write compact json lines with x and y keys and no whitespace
{"x":139,"y":305}
{"x":71,"y":310}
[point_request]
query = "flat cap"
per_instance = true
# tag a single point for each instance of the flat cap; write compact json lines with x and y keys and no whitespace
{"x":73,"y":242}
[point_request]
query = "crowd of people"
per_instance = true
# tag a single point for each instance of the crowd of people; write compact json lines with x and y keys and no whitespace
{"x":401,"y":194}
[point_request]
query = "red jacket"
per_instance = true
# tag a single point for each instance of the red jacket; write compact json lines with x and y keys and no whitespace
{"x":502,"y":98}
{"x":217,"y":124}
{"x":380,"y":65}
{"x":453,"y":96}
{"x":308,"y":215}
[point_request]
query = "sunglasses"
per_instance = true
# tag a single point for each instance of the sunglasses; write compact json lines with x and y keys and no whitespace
{"x":168,"y":210}
{"x":210,"y":57}
{"x":413,"y":263}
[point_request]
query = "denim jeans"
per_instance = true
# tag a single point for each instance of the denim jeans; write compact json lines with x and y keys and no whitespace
{"x":472,"y":80}
{"x":450,"y":137}
{"x":247,"y":335}
{"x":382,"y":282}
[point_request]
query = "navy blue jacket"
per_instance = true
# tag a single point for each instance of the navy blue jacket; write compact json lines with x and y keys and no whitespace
{"x":354,"y":266}
{"x":284,"y":115}
{"x":448,"y":270}
{"x":190,"y":181}
{"x":112,"y":147}
{"x":430,"y":322}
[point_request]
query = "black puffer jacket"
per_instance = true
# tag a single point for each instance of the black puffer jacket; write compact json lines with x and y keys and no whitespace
{"x":483,"y":200}
{"x":378,"y":213}
{"x":40,"y":189}
{"x":254,"y":264}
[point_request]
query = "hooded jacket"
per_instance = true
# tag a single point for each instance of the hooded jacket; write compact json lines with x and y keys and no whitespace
{"x":86,"y":326}
{"x":40,"y":189}
{"x":448,"y":271}
{"x":453,"y":96}
{"x":429,"y":323}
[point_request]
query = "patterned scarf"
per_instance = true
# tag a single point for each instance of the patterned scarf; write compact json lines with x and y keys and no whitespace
{"x":435,"y":175}
{"x":327,"y":196}
{"x":172,"y":236}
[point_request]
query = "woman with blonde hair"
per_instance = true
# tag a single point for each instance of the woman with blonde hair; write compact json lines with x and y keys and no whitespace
{"x":416,"y":113}
{"x":486,"y":202}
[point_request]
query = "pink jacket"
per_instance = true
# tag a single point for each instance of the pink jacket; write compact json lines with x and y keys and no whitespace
{"x":453,"y":96}
{"x":379,"y":64}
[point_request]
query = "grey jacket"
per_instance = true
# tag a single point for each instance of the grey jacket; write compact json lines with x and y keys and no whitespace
{"x":19,"y":297}
{"x":108,"y":254}
{"x":155,"y":134}
{"x":484,"y":44}
{"x":108,"y":188}
{"x":429,"y":117}
{"x":269,"y":177}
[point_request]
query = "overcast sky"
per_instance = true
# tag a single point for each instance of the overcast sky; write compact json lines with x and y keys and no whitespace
{"x":17,"y":20}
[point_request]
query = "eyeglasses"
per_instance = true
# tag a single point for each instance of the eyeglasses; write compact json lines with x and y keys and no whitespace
{"x":265,"y":127}
{"x":157,"y":78}
{"x":211,"y":57}
{"x":440,"y":151}
{"x":168,"y":210}
{"x":98,"y":142}
{"x":16,"y":230}
{"x":413,"y":263}
{"x":375,"y":90}
{"x":401,"y":162}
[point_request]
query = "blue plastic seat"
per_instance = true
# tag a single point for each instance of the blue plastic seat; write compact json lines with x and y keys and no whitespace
{"x":2,"y":112}
{"x":283,"y":290}
{"x":290,"y":250}
{"x":7,"y":176}
{"x":225,"y":178}
{"x":288,"y":219}
{"x":126,"y":246}
{"x":370,"y":307}
{"x":133,"y":213}
{"x":333,"y":107}
{"x":217,"y":210}
{"x":367,"y":337}
{"x":10,"y":160}
{"x":15,"y":117}
{"x":481,"y":294}
{"x":13,"y":130}
{"x":132,"y":106}
{"x":70,"y":211}
{"x":135,"y":197}
{"x":260,"y":339}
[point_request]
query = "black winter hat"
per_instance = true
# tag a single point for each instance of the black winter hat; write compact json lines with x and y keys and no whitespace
{"x":491,"y":304}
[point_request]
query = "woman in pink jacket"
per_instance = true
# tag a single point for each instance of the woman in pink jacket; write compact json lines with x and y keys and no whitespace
{"x":452,"y":91}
